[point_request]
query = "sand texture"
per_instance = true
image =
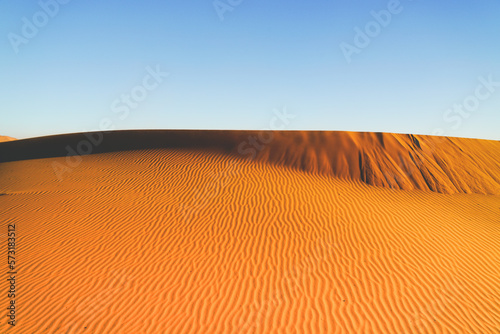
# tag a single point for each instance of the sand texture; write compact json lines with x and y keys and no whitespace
{"x":299,"y":232}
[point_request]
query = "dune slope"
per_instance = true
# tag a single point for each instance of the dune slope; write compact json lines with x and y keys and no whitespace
{"x":186,"y":240}
{"x":440,"y":164}
{"x":6,"y":138}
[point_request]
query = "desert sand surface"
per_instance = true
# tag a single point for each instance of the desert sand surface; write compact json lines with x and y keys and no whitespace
{"x":6,"y":138}
{"x":289,"y":232}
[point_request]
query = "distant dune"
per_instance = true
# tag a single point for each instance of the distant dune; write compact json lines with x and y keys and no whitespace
{"x":235,"y":232}
{"x":6,"y":138}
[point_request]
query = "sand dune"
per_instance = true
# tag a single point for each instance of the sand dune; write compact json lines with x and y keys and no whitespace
{"x":6,"y":138}
{"x":440,"y":164}
{"x":319,"y":232}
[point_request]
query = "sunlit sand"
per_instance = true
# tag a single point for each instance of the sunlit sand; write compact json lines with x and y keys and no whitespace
{"x":303,"y":232}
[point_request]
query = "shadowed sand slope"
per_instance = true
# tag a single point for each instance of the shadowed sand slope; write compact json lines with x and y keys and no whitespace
{"x":440,"y":164}
{"x":185,"y":240}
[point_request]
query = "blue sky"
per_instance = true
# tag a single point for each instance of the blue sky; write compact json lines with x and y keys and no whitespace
{"x":422,"y":71}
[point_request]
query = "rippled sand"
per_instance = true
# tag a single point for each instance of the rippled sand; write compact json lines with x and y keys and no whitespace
{"x":192,"y":232}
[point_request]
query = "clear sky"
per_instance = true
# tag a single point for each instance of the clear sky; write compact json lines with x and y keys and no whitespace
{"x":421,"y":66}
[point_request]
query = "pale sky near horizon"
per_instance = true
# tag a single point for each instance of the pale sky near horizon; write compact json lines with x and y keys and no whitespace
{"x":404,"y":66}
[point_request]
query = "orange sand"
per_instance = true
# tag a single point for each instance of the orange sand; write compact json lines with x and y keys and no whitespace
{"x":6,"y":138}
{"x":319,"y":233}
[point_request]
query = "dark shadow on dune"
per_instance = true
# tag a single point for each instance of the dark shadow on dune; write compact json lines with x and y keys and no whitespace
{"x":115,"y":141}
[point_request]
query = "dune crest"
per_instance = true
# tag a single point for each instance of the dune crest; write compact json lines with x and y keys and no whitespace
{"x":429,"y":163}
{"x":6,"y":138}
